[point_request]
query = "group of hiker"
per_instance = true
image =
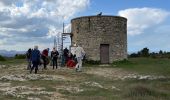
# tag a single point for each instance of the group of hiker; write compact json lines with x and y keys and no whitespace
{"x":36,"y":58}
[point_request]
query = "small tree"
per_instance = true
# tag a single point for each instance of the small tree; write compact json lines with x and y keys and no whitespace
{"x":2,"y":58}
{"x":145,"y":52}
{"x":160,"y":52}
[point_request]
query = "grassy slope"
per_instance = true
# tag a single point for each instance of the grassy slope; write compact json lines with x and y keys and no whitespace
{"x":12,"y":61}
{"x":131,"y":89}
{"x":146,"y":65}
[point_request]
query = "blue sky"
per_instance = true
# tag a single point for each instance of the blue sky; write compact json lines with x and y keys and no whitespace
{"x":25,"y":23}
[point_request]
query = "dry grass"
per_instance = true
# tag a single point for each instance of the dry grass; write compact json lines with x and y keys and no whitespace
{"x":94,"y":83}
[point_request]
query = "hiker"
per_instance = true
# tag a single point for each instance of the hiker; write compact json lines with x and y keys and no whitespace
{"x":28,"y":57}
{"x":70,"y":56}
{"x":80,"y":53}
{"x":71,"y":62}
{"x":35,"y":59}
{"x":66,"y":51}
{"x":44,"y":56}
{"x":54,"y":57}
{"x":74,"y":53}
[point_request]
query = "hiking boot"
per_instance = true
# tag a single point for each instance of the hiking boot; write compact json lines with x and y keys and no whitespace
{"x":80,"y":71}
{"x":30,"y":71}
{"x":76,"y":69}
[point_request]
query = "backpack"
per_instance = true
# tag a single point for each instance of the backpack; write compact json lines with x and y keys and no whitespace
{"x":28,"y":55}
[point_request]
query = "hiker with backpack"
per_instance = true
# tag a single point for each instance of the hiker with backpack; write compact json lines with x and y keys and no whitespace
{"x":44,"y":56}
{"x":35,"y":59}
{"x":66,"y":51}
{"x":28,"y":57}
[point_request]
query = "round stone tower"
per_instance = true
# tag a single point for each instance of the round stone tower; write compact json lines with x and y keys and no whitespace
{"x":104,"y":38}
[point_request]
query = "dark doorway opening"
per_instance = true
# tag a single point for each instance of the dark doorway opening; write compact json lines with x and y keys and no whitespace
{"x":104,"y":53}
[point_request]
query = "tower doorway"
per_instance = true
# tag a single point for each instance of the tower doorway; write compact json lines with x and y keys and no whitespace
{"x":104,"y":53}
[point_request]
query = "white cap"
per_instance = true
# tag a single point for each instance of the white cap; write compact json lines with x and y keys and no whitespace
{"x":75,"y":44}
{"x":35,"y":47}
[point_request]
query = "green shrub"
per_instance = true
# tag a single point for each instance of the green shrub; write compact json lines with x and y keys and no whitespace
{"x":2,"y":58}
{"x":133,"y":55}
{"x":124,"y":61}
{"x":20,"y":56}
{"x":92,"y":62}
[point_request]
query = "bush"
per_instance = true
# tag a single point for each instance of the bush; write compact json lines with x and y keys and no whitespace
{"x":20,"y":56}
{"x":124,"y":61}
{"x":92,"y":62}
{"x":134,"y":55}
{"x":145,"y":53}
{"x":2,"y":58}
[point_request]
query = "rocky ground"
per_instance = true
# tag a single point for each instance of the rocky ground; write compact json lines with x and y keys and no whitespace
{"x":62,"y":84}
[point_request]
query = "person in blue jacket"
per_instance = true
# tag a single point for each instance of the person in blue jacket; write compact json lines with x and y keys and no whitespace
{"x":35,"y":59}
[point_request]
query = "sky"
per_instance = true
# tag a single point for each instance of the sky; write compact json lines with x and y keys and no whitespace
{"x":25,"y":23}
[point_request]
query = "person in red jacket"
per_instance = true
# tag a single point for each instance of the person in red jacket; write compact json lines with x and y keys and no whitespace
{"x":45,"y":57}
{"x":70,"y":63}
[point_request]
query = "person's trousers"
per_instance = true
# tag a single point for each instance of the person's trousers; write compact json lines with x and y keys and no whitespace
{"x":54,"y":62}
{"x":62,"y":61}
{"x":29,"y":64}
{"x":44,"y":62}
{"x":79,"y":64}
{"x":35,"y":66}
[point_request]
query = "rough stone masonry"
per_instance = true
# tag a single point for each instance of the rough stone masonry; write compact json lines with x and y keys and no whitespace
{"x":104,"y":38}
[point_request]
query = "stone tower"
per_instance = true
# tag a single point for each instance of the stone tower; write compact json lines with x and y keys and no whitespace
{"x":104,"y":38}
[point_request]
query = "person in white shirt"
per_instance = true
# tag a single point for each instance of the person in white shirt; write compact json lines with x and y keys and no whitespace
{"x":80,"y":53}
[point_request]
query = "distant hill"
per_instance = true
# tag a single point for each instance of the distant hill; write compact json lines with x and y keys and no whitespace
{"x":11,"y":53}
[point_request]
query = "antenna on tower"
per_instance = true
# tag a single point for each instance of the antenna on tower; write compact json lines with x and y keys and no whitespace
{"x":55,"y":43}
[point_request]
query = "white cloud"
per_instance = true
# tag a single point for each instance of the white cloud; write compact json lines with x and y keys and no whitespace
{"x":35,"y":19}
{"x":53,"y":32}
{"x":7,"y":2}
{"x":2,"y":42}
{"x":68,"y":28}
{"x":140,"y":19}
{"x":69,"y":7}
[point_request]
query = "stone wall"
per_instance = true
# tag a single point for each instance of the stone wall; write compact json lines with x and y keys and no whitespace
{"x":91,"y":31}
